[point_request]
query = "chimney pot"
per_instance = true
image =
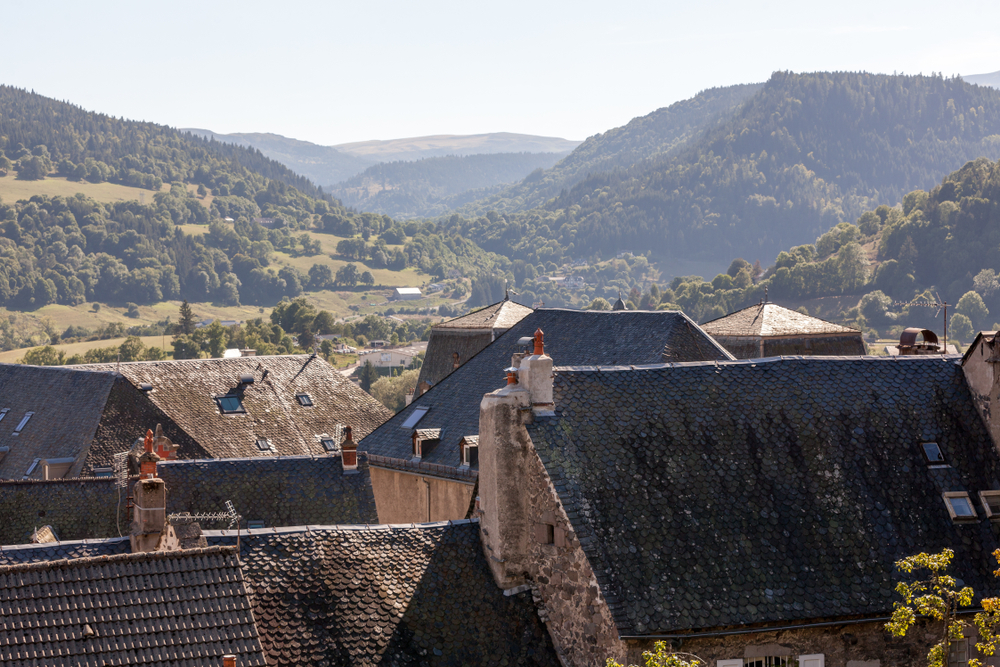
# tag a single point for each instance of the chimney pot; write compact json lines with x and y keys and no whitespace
{"x":229,"y":661}
{"x":349,"y":452}
{"x":539,"y":342}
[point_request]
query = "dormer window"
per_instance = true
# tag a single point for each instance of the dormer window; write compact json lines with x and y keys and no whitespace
{"x":469,"y":450}
{"x":230,"y":404}
{"x":304,"y":399}
{"x":960,"y":506}
{"x":23,"y":423}
{"x":932,"y":453}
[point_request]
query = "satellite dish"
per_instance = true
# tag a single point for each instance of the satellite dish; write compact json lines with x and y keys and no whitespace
{"x":232,"y":354}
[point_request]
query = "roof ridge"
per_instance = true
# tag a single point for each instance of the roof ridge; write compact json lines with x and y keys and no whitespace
{"x":115,"y":558}
{"x":347,"y":527}
{"x":760,"y":360}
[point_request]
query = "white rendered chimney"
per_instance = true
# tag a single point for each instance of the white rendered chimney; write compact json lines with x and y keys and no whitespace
{"x":535,"y":375}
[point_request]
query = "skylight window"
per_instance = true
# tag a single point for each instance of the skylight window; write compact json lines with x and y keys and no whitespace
{"x":230,"y":404}
{"x":960,"y":506}
{"x":415,"y":417}
{"x":255,"y":524}
{"x":304,"y":399}
{"x":329,"y":444}
{"x":3,"y":413}
{"x":933,"y":453}
{"x":263,"y":444}
{"x":991,"y":503}
{"x":24,"y":422}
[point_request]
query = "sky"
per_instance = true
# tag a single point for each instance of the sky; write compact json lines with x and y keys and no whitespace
{"x":337,"y":72}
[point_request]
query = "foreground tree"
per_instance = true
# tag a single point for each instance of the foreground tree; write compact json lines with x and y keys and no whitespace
{"x":661,"y":656}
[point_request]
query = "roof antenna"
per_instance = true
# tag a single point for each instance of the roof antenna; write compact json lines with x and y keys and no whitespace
{"x":765,"y":293}
{"x":506,"y":290}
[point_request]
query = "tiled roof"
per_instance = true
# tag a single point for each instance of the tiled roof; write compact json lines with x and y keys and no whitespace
{"x":185,"y":391}
{"x":67,"y":407}
{"x":173,"y":608}
{"x":39,"y":553}
{"x":742,"y":493}
{"x":572,"y":337}
{"x":770,"y":319}
{"x":388,"y":596}
{"x":286,"y":491}
{"x":502,"y":315}
{"x":280,"y":491}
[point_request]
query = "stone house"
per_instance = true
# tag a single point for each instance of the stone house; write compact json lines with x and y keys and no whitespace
{"x":423,"y":460}
{"x":69,"y":421}
{"x":770,"y":330}
{"x":454,"y":342}
{"x":748,"y":512}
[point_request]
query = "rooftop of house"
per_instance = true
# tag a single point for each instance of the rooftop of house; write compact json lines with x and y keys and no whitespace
{"x":501,"y":315}
{"x":571,"y":336}
{"x":340,"y":595}
{"x":291,"y":401}
{"x":163,"y":608}
{"x":275,"y":491}
{"x":47,"y":411}
{"x":770,"y":319}
{"x":761,"y":491}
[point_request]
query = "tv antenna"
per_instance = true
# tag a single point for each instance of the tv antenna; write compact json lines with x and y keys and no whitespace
{"x":940,"y":305}
{"x":229,"y":515}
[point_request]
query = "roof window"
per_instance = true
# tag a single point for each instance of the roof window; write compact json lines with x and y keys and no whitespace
{"x":230,"y":404}
{"x":304,"y":399}
{"x":255,"y":524}
{"x":24,"y":422}
{"x":991,"y":503}
{"x":264,"y":445}
{"x":103,"y":472}
{"x":31,"y":468}
{"x":415,"y":417}
{"x":932,"y":453}
{"x":960,"y":506}
{"x":329,"y":444}
{"x":3,"y":413}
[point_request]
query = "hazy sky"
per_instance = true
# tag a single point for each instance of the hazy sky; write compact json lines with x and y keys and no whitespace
{"x":332,"y":72}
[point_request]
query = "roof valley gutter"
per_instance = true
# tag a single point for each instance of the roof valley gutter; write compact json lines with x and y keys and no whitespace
{"x":772,"y":628}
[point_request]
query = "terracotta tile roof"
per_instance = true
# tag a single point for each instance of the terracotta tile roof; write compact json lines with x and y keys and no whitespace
{"x":571,"y":337}
{"x":280,"y":491}
{"x":385,"y":595}
{"x":770,"y":319}
{"x":174,"y":608}
{"x":67,"y":407}
{"x":742,"y":493}
{"x":186,"y":390}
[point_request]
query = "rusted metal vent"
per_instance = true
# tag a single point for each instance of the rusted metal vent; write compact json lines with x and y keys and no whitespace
{"x":908,"y":342}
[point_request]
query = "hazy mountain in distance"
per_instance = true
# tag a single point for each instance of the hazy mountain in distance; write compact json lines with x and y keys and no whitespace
{"x":320,"y":164}
{"x":992,"y":79}
{"x":416,"y":148}
{"x":434,"y":185}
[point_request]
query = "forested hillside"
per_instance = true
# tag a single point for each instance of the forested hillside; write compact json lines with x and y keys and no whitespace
{"x":805,"y":152}
{"x":660,"y":133}
{"x":69,"y":250}
{"x":432,"y":186}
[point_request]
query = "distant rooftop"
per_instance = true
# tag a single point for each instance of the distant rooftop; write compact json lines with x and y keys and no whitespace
{"x":502,"y":315}
{"x":770,"y":319}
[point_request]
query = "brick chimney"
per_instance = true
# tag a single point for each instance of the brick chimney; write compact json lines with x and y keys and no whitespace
{"x":536,"y":376}
{"x":349,"y":453}
{"x":150,"y":529}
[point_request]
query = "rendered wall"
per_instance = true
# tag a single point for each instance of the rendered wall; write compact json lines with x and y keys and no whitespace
{"x":402,"y":497}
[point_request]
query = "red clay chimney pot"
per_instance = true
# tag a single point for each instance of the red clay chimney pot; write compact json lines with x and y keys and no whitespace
{"x":539,"y":342}
{"x":229,"y":661}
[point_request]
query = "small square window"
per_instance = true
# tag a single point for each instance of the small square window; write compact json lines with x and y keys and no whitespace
{"x":991,"y":503}
{"x":932,"y":453}
{"x":230,"y":404}
{"x":415,"y":417}
{"x":329,"y":444}
{"x":304,"y":399}
{"x":263,"y":444}
{"x":103,"y":472}
{"x":960,"y":506}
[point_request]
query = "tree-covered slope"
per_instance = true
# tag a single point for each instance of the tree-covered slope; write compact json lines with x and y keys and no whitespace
{"x":659,"y":133}
{"x":805,"y":152}
{"x":431,"y":186}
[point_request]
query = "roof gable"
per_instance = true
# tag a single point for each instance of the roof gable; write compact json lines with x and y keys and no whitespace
{"x":775,"y":490}
{"x":501,"y":315}
{"x":770,"y":319}
{"x":571,"y":337}
{"x":67,"y":406}
{"x":128,"y":609}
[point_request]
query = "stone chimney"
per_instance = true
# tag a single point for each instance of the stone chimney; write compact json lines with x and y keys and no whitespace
{"x":535,"y":375}
{"x":349,"y":453}
{"x":150,"y":529}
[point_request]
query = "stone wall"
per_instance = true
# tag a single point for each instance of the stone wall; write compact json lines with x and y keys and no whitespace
{"x":403,"y":497}
{"x":980,"y":375}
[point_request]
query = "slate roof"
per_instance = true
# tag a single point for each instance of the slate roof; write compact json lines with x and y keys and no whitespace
{"x":572,"y":337}
{"x":280,"y":491}
{"x":285,"y":491}
{"x":184,"y":390}
{"x":466,"y":336}
{"x":53,"y":551}
{"x":174,"y":608}
{"x":770,"y":319}
{"x":68,"y":406}
{"x":385,"y":596}
{"x":745,"y":493}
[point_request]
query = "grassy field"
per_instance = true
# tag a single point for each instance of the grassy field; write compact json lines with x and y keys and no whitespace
{"x":11,"y":356}
{"x":12,"y":190}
